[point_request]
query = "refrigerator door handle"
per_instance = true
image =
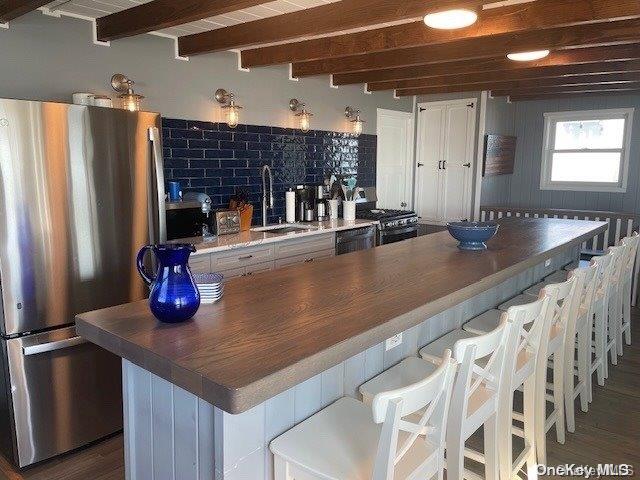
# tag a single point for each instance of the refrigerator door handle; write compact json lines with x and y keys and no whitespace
{"x":52,"y":346}
{"x":156,"y":146}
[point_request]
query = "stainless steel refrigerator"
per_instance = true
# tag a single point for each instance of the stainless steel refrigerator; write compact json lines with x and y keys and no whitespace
{"x":81,"y":190}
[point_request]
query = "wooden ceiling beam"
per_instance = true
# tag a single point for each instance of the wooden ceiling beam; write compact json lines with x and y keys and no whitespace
{"x":577,"y":36}
{"x":523,"y":97}
{"x":324,"y":19}
{"x":575,"y":89}
{"x":562,"y":57}
{"x":537,"y":15}
{"x":579,"y":80}
{"x":564,"y":71}
{"x":159,"y":14}
{"x":12,"y":9}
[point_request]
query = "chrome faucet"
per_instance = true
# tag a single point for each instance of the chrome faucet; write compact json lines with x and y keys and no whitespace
{"x":266,"y":170}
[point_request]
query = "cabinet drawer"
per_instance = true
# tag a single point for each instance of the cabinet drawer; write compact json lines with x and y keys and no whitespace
{"x":200,"y":263}
{"x":306,"y":258}
{"x":241,"y":257}
{"x":313,"y":243}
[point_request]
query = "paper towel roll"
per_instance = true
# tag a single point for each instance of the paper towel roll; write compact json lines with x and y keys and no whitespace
{"x":290,"y":199}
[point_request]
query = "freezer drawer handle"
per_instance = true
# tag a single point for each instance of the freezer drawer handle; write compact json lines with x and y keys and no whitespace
{"x":52,"y":346}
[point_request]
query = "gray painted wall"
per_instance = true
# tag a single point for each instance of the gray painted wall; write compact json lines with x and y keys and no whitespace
{"x":500,"y":120}
{"x":524,"y":186}
{"x":45,"y":58}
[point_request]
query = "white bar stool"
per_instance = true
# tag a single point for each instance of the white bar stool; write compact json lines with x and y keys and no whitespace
{"x":632,"y":243}
{"x":581,"y":324}
{"x":345,"y":441}
{"x":615,"y":303}
{"x":602,"y":345}
{"x":561,"y":309}
{"x":476,"y":390}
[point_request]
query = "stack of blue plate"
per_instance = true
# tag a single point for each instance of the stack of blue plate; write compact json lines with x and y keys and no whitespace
{"x":210,"y":286}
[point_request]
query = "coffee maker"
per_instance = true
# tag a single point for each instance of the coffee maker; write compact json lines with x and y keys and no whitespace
{"x":305,"y":203}
{"x":322,"y":207}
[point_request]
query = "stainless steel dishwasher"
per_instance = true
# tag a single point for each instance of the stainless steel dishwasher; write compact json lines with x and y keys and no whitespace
{"x":348,"y":241}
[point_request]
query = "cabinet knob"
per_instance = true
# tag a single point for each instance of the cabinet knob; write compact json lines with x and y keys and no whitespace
{"x":420,"y":164}
{"x":468,"y":165}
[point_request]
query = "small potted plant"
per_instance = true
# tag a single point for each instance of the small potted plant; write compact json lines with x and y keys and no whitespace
{"x":240,"y":202}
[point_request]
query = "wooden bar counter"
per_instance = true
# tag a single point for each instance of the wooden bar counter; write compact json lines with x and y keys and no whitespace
{"x":282,"y":344}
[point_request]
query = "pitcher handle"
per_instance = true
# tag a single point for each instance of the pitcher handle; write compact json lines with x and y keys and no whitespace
{"x":140,"y":264}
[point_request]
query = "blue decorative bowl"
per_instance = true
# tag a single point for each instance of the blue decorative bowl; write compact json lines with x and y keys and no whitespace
{"x":472,"y":235}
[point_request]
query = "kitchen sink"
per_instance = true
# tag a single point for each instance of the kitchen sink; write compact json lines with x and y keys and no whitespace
{"x":284,"y":228}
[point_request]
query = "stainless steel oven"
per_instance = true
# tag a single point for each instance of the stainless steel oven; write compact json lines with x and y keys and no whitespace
{"x":397,"y":234}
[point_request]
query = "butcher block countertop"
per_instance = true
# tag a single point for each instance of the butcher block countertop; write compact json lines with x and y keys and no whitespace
{"x":276,"y":329}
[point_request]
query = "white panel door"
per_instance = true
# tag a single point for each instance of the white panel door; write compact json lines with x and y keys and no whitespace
{"x":394,"y":162}
{"x":431,"y":127}
{"x":445,"y":140}
{"x":458,"y":158}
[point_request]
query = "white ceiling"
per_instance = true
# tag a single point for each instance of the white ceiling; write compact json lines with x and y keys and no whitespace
{"x":91,"y":9}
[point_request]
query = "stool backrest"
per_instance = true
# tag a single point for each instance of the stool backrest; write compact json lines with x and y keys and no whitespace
{"x":631,"y":243}
{"x":433,"y":394}
{"x":618,"y":255}
{"x":524,"y":341}
{"x":605,"y":269}
{"x":587,"y":281}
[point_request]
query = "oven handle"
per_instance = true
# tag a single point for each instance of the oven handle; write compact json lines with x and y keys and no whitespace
{"x":53,"y":346}
{"x":399,"y":231}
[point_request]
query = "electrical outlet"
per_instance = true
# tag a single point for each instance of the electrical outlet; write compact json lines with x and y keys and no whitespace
{"x":393,"y":342}
{"x":547,"y":262}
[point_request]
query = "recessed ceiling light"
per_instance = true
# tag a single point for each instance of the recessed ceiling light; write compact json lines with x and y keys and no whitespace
{"x":451,"y":19}
{"x":528,"y":56}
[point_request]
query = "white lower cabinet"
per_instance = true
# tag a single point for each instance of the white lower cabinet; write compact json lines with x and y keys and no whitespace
{"x":240,"y":262}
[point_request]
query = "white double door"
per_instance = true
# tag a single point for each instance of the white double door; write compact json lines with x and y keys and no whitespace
{"x":445,"y":159}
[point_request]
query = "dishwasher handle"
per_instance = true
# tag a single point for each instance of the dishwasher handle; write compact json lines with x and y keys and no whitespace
{"x":53,"y":346}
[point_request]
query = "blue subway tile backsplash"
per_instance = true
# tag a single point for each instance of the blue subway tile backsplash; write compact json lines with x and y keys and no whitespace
{"x":215,"y":159}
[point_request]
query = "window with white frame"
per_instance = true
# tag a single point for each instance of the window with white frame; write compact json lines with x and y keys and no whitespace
{"x":586,"y":150}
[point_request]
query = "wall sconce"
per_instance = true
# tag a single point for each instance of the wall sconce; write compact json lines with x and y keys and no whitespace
{"x":354,"y":117}
{"x":130,"y":100}
{"x":305,"y":117}
{"x":232,"y":111}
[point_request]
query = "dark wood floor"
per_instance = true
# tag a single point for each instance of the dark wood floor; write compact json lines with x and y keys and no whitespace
{"x":608,"y":433}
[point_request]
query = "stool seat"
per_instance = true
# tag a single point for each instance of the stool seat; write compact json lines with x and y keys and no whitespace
{"x":521,"y":299}
{"x":407,"y":372}
{"x":341,"y":441}
{"x":484,"y":322}
{"x":434,"y":351}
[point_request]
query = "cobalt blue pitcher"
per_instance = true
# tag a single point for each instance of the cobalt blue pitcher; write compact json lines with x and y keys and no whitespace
{"x":174,"y":296}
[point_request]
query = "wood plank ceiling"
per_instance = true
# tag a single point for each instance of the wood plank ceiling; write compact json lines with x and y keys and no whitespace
{"x":594,"y":44}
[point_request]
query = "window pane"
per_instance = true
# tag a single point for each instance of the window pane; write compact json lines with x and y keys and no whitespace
{"x":586,"y":167}
{"x":579,"y":134}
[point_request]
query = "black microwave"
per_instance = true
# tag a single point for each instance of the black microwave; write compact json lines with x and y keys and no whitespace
{"x":187,"y":219}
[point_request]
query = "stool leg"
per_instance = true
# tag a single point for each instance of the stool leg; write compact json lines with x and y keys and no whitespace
{"x":529,"y":407}
{"x":569,"y":383}
{"x":540,"y":417}
{"x":601,"y":345}
{"x":491,"y":461}
{"x":627,"y":311}
{"x":558,"y":392}
{"x":584,"y":376}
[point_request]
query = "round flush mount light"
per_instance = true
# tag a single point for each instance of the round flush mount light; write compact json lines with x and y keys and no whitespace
{"x":451,"y":19}
{"x":528,"y":56}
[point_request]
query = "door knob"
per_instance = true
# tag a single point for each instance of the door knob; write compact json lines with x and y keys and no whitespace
{"x":403,"y":204}
{"x":468,"y":165}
